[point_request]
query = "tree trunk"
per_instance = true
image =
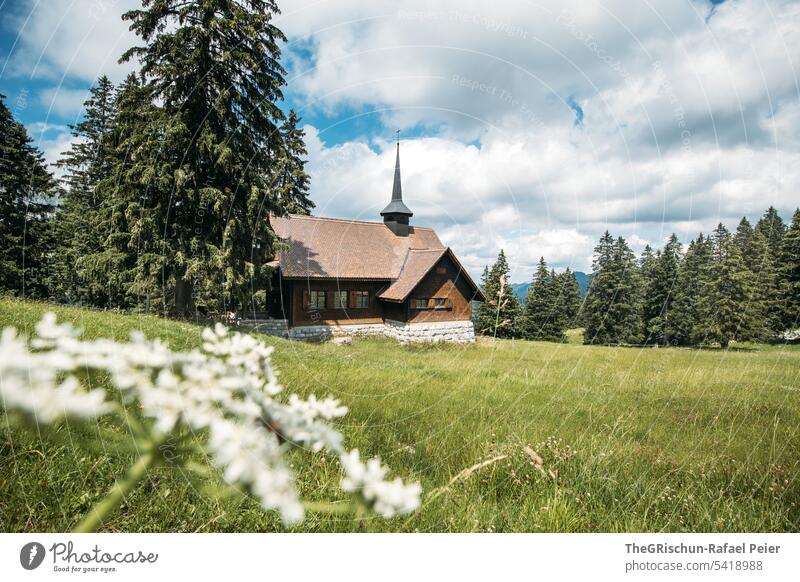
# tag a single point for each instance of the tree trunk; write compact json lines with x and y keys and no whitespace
{"x":183,"y":297}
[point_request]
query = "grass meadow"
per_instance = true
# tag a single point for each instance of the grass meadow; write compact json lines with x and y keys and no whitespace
{"x":505,"y":436}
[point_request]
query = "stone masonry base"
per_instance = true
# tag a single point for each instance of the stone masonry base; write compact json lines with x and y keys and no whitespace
{"x":460,"y":332}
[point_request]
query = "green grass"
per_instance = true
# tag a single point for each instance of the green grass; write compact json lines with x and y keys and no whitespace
{"x":636,"y":439}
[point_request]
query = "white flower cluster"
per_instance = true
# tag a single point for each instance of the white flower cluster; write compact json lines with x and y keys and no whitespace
{"x":228,"y":387}
{"x":387,"y":498}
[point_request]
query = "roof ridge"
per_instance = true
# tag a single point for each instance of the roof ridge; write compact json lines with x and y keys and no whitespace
{"x":331,"y":219}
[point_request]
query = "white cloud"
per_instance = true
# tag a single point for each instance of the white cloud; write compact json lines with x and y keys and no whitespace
{"x":53,"y":141}
{"x":77,"y":39}
{"x":63,"y":102}
{"x":685,"y":122}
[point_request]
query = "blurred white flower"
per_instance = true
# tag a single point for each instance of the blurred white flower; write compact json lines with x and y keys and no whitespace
{"x":228,"y":387}
{"x":387,"y":498}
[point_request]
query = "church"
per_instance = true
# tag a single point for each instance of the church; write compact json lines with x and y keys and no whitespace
{"x":351,"y":277}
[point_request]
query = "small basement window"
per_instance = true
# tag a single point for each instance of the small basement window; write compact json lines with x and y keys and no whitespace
{"x":340,"y":299}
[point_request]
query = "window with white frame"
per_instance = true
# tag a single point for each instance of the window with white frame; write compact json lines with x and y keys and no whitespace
{"x":360,"y":299}
{"x":340,"y":299}
{"x":317,"y":299}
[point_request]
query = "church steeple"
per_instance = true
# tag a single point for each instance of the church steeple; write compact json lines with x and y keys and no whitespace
{"x":396,"y":213}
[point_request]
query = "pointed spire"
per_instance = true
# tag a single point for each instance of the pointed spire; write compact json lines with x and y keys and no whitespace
{"x":396,"y":209}
{"x":397,"y":189}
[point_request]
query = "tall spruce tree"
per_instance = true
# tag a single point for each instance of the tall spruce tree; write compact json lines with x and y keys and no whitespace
{"x":498,"y":316}
{"x":659,"y":292}
{"x":772,"y":228}
{"x":570,"y":294}
{"x":789,"y":275}
{"x":543,"y":315}
{"x":213,"y":67}
{"x":86,"y":164}
{"x":613,"y":305}
{"x":763,"y":310}
{"x":27,"y":191}
{"x":289,"y":179}
{"x":690,"y":282}
{"x":722,"y":314}
{"x":648,"y":270}
{"x":134,"y":201}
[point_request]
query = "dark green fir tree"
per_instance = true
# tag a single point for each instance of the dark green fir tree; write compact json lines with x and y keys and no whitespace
{"x":570,"y":296}
{"x":789,"y":275}
{"x":214,"y":69}
{"x":498,"y":316}
{"x":660,"y":292}
{"x":772,"y":228}
{"x":722,"y":311}
{"x":613,"y":305}
{"x":86,"y":164}
{"x":27,"y":192}
{"x":694,"y":270}
{"x":543,"y":315}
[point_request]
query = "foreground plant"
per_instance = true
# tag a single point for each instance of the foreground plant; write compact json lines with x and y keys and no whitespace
{"x":227,"y":388}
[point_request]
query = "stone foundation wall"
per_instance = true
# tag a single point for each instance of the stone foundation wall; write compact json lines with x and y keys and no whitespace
{"x":278,"y":327}
{"x":323,"y":332}
{"x":461,"y":332}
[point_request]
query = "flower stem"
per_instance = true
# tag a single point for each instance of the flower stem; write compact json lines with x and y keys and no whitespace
{"x":112,"y":500}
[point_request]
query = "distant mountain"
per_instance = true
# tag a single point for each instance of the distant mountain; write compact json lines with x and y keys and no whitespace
{"x":521,"y":289}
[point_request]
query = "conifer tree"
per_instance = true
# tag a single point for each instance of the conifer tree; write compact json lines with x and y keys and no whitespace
{"x":613,"y":305}
{"x":722,"y":314}
{"x":691,"y":280}
{"x":498,"y":316}
{"x":132,"y":261}
{"x":648,"y":270}
{"x":543,"y":315}
{"x":214,"y":69}
{"x":763,"y":310}
{"x":570,"y":294}
{"x":772,"y":228}
{"x":27,"y":190}
{"x":789,"y":274}
{"x":290,"y":181}
{"x":659,"y":292}
{"x":88,"y":162}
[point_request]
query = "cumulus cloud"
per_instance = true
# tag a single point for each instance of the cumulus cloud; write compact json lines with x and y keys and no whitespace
{"x":76,"y":39}
{"x":556,"y":120}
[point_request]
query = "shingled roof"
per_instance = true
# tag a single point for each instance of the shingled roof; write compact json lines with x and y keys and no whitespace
{"x":331,"y":248}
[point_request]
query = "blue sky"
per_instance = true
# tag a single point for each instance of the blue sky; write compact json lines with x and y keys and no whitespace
{"x":528,"y":126}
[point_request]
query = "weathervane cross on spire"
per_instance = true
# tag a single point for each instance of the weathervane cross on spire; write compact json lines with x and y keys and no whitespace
{"x":398,"y":136}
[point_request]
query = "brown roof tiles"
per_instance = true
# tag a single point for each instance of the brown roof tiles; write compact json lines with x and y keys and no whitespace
{"x":330,"y":248}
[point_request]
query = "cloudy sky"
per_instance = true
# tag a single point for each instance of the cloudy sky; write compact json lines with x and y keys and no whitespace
{"x":531,"y":126}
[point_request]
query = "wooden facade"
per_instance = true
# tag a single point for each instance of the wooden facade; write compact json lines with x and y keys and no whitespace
{"x":444,"y":294}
